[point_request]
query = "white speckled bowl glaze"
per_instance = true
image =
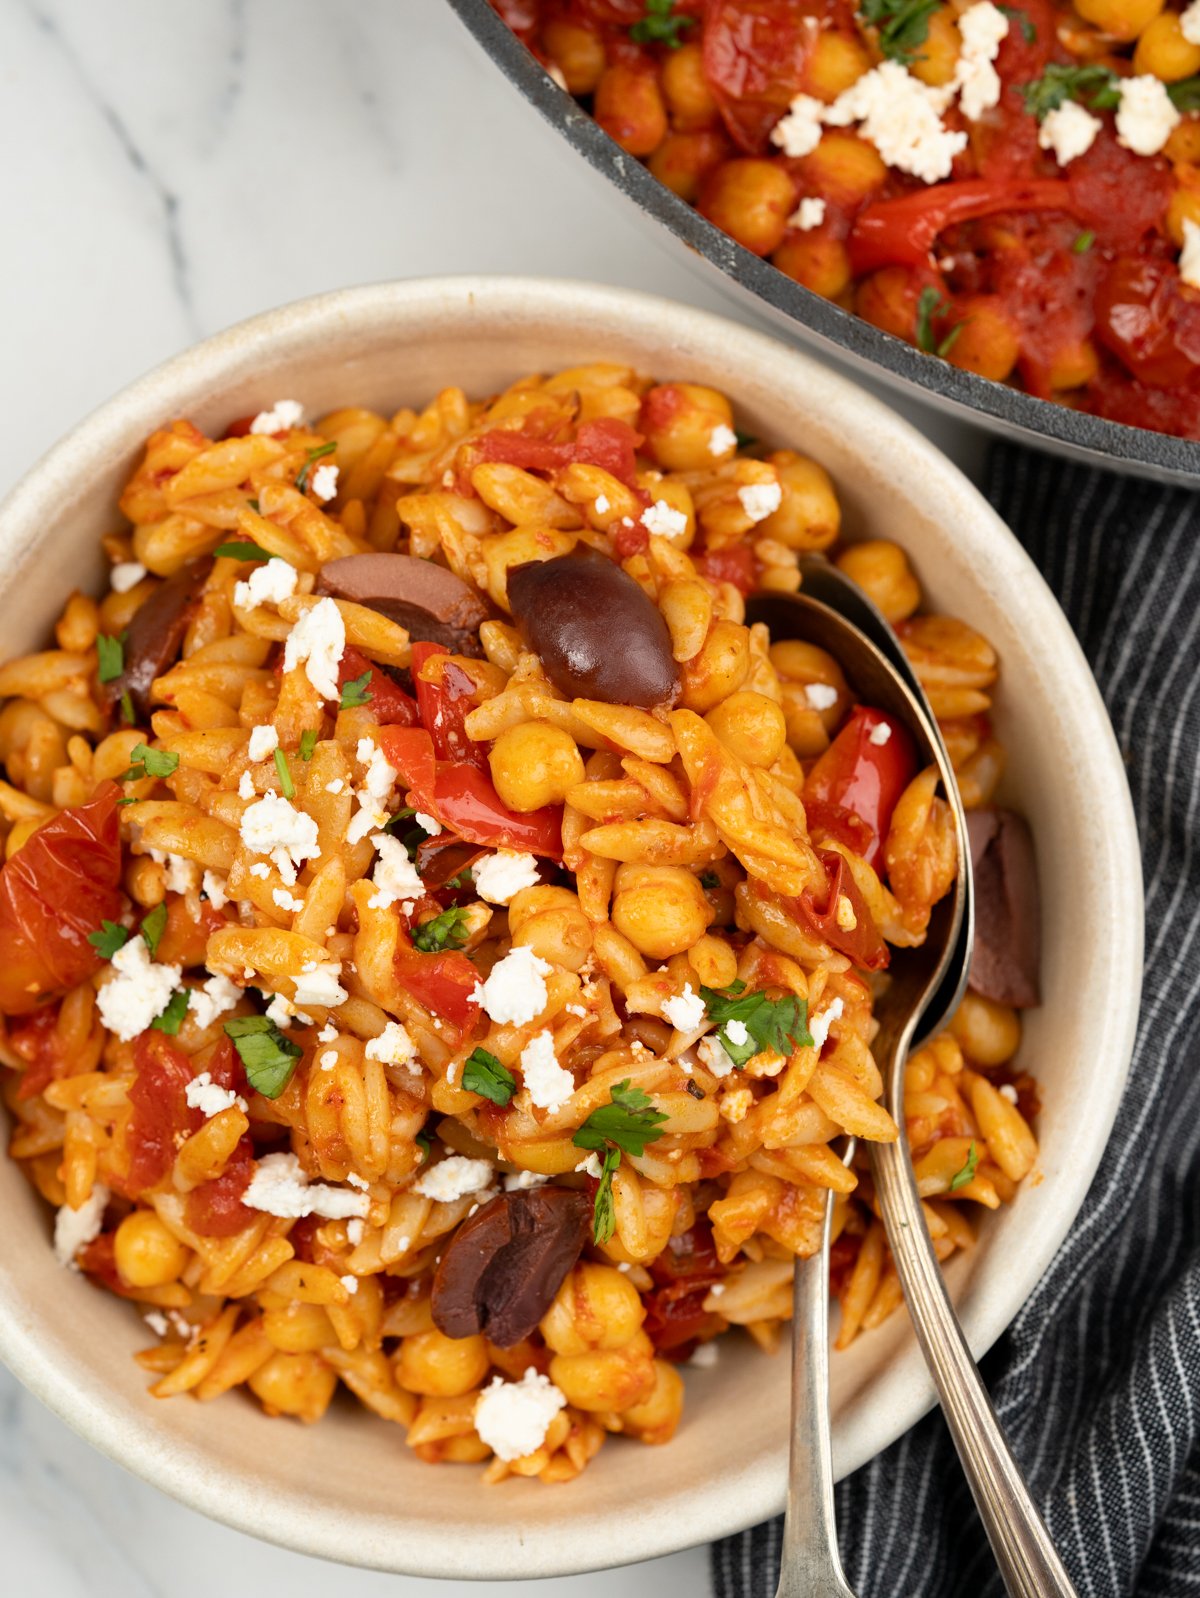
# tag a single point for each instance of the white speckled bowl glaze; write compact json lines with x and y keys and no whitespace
{"x":348,"y":1489}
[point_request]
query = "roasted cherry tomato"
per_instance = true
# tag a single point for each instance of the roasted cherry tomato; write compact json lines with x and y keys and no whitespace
{"x":1150,"y":322}
{"x":903,"y":231}
{"x":444,"y":983}
{"x":732,"y":565}
{"x":162,"y":1117}
{"x":755,"y":53}
{"x":684,"y":1274}
{"x":34,"y":1039}
{"x":215,"y":1208}
{"x":444,"y":705}
{"x":852,"y":789}
{"x":54,"y":891}
{"x":859,"y":938}
{"x":390,"y":705}
{"x":606,"y":442}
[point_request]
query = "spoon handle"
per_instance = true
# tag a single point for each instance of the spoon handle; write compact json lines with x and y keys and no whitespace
{"x":1024,"y":1552}
{"x":810,"y":1566}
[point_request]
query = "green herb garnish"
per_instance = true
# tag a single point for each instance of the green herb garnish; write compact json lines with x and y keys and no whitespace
{"x":604,"y":1219}
{"x":759,"y":1022}
{"x":108,"y":939}
{"x":424,"y":1143}
{"x":170,"y":1018}
{"x":961,"y":1178}
{"x":308,"y":742}
{"x":314,"y":455}
{"x":149,"y":762}
{"x":1083,"y":242}
{"x":1185,"y":95}
{"x":660,"y":25}
{"x":110,"y":655}
{"x":154,"y":926}
{"x":1092,"y":85}
{"x":622,"y":1126}
{"x":744,"y":440}
{"x":269,"y":1058}
{"x":355,"y":692}
{"x":931,"y":304}
{"x":243,"y":549}
{"x":1023,"y":20}
{"x":445,"y":931}
{"x":484,"y":1074}
{"x":902,"y":25}
{"x":285,"y":776}
{"x":709,"y":880}
{"x":127,"y":711}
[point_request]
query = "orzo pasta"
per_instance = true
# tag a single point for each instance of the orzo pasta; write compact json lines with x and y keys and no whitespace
{"x":440,"y":935}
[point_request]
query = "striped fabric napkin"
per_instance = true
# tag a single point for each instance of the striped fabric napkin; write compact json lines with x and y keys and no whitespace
{"x":1097,"y":1381}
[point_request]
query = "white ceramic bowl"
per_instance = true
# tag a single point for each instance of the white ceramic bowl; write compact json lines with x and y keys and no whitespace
{"x":348,"y":1489}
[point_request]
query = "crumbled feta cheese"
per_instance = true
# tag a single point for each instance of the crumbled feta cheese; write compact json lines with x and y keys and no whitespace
{"x":429,"y":824}
{"x":453,"y":1178}
{"x":1189,"y":256}
{"x":810,"y":213}
{"x":321,"y":986}
{"x":983,"y":29}
{"x":318,"y":641}
{"x":286,"y":900}
{"x":246,"y":788}
{"x":712,"y":1052}
{"x":354,"y":1231}
{"x":499,"y":876}
{"x":156,"y":1321}
{"x":1006,"y":1089}
{"x":323,"y":482}
{"x":281,"y":1010}
{"x":685,"y":1011}
{"x":138,"y":993}
{"x":273,"y":826}
{"x":592,"y":1166}
{"x":600,"y":504}
{"x":819,"y":1025}
{"x":705,"y":1356}
{"x":282,"y":415}
{"x":213,"y":883}
{"x":395,"y":875}
{"x":519,"y":1181}
{"x":736,"y":1105}
{"x":335,"y":786}
{"x":879,"y":734}
{"x":179,"y":875}
{"x":844,"y":915}
{"x":368,"y":818}
{"x":263,"y":741}
{"x":901,"y":117}
{"x":380,"y":777}
{"x":512,"y":1418}
{"x":799,"y":132}
{"x":1189,"y":22}
{"x":820,"y":696}
{"x":126,"y":574}
{"x":350,"y":1283}
{"x":266,"y":585}
{"x":515,"y":990}
{"x":549,"y":1084}
{"x":215,"y":999}
{"x":664,"y":520}
{"x":328,"y":1060}
{"x":721,"y":440}
{"x":357,"y":1181}
{"x":393,"y":1046}
{"x":261,"y":870}
{"x":280,"y":1187}
{"x":1146,"y":116}
{"x":74,"y":1228}
{"x":737,"y":1034}
{"x":760,"y":500}
{"x":209,"y":1097}
{"x":1069,"y":131}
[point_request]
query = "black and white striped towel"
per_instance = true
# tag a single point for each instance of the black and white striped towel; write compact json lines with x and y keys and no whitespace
{"x":1097,"y":1381}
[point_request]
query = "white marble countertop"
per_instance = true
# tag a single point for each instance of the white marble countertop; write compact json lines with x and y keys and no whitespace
{"x":171,"y":169}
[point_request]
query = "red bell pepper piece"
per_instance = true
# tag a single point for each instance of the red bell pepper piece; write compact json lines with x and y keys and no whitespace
{"x":862,"y":942}
{"x":390,"y":705}
{"x":852,"y":789}
{"x":902,"y":232}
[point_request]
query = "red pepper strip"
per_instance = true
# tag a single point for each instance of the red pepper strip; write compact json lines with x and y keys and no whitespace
{"x":444,"y":983}
{"x":606,"y":442}
{"x":444,"y":703}
{"x":390,"y":705}
{"x":861,"y":943}
{"x":902,"y":232}
{"x":853,"y":788}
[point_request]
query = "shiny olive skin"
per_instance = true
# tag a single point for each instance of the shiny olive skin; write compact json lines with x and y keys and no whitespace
{"x":155,"y":635}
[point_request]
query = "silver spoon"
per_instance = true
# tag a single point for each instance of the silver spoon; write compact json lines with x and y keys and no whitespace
{"x":926,"y":984}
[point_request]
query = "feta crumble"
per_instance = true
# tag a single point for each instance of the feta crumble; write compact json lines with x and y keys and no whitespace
{"x":736,"y":1105}
{"x":1189,"y":22}
{"x":273,"y":826}
{"x":723,"y":438}
{"x":179,"y":874}
{"x":213,"y":884}
{"x":600,"y":505}
{"x":879,"y":734}
{"x":819,"y":1025}
{"x":138,"y":993}
{"x":1146,"y":116}
{"x":214,"y":999}
{"x":266,"y":585}
{"x":500,"y":876}
{"x":350,"y":1283}
{"x":1069,"y":131}
{"x":126,"y":574}
{"x":246,"y":788}
{"x":286,"y":900}
{"x":519,"y":1181}
{"x":280,"y":1187}
{"x":512,"y":1418}
{"x":354,"y":1231}
{"x":685,"y":1011}
{"x":318,"y":641}
{"x":323,"y":482}
{"x":550,"y":1085}
{"x":75,"y":1228}
{"x":983,"y":29}
{"x":209,"y":1097}
{"x":321,"y":986}
{"x":263,"y":742}
{"x":335,"y":786}
{"x":453,"y":1178}
{"x":664,"y":521}
{"x":1007,"y":1091}
{"x":395,"y":875}
{"x":1189,"y":257}
{"x":282,"y":415}
{"x":429,"y":824}
{"x":799,"y":132}
{"x":809,"y":214}
{"x":515,"y":990}
{"x":705,"y":1356}
{"x":157,"y":1322}
{"x":393,"y":1046}
{"x":592,"y":1166}
{"x":901,"y":117}
{"x":820,"y":696}
{"x":712,"y":1052}
{"x":760,"y":500}
{"x":737,"y":1034}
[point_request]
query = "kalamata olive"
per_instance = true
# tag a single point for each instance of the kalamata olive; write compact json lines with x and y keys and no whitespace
{"x":1007,"y":950}
{"x":433,"y":604}
{"x":504,"y":1265}
{"x":155,"y":634}
{"x":598,"y":635}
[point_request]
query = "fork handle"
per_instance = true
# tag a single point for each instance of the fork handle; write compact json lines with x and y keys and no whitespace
{"x":1028,"y":1563}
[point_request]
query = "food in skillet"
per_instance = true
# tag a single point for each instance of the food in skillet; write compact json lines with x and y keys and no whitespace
{"x":1014,"y":188}
{"x":440,"y":936}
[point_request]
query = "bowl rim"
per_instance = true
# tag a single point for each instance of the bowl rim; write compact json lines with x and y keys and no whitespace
{"x":37,"y":503}
{"x":1006,"y":410}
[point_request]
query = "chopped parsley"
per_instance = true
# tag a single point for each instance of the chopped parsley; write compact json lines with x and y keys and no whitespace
{"x":1023,"y":21}
{"x":355,"y":692}
{"x":313,"y":456}
{"x":171,"y":1017}
{"x":660,"y":25}
{"x":243,"y":549}
{"x":1092,"y":85}
{"x":411,"y":837}
{"x":110,"y":656}
{"x":424,"y":1143}
{"x":1083,"y":242}
{"x":285,"y":776}
{"x":484,"y":1074}
{"x":127,"y":713}
{"x":269,"y":1058}
{"x":762,"y":1023}
{"x":961,"y":1178}
{"x":1185,"y":95}
{"x":308,"y":742}
{"x":709,"y":880}
{"x":149,"y":762}
{"x":154,"y":926}
{"x":622,"y":1126}
{"x":108,"y":939}
{"x":604,"y":1219}
{"x":744,"y":440}
{"x":445,"y":931}
{"x":902,"y":25}
{"x":931,"y":304}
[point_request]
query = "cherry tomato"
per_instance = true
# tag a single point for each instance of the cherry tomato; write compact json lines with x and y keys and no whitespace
{"x":34,"y":1039}
{"x":684,"y":1274}
{"x":733,"y":565}
{"x":445,"y":698}
{"x":184,"y":939}
{"x":606,"y":442}
{"x":1149,"y":322}
{"x":902,"y":232}
{"x":755,"y":53}
{"x":444,"y":983}
{"x":161,"y":1113}
{"x":390,"y":705}
{"x":851,"y":791}
{"x":215,"y":1208}
{"x":861,"y":942}
{"x":54,"y":891}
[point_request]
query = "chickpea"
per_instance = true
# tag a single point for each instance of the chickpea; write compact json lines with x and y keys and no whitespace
{"x":713,"y":961}
{"x":1074,"y":365}
{"x":678,"y":421}
{"x":534,"y":764}
{"x":577,"y":51}
{"x":530,"y":902}
{"x":987,"y":1033}
{"x":294,"y":1384}
{"x":439,"y":1366}
{"x":719,"y":669}
{"x":629,"y":107}
{"x":146,"y":1253}
{"x":938,"y":56}
{"x":299,"y":1328}
{"x":1184,"y":206}
{"x":808,"y":516}
{"x":986,"y":341}
{"x":836,"y":61}
{"x":1163,"y":51}
{"x":888,"y":299}
{"x":683,"y":160}
{"x":881,"y":570}
{"x":663,"y":913}
{"x":686,"y":91}
{"x":843,"y":167}
{"x":654,"y":1418}
{"x":1124,"y":19}
{"x":609,"y":1379}
{"x":751,"y":726}
{"x":1184,"y":143}
{"x":596,"y":1307}
{"x":750,"y":200}
{"x":817,"y":261}
{"x":563,"y":937}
